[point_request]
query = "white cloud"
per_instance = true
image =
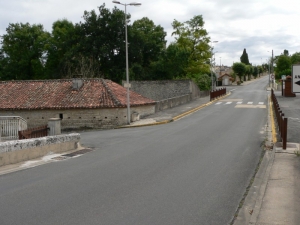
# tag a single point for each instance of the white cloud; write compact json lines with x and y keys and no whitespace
{"x":257,"y":25}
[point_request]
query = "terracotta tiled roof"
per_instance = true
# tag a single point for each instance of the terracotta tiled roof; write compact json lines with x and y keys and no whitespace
{"x":59,"y":94}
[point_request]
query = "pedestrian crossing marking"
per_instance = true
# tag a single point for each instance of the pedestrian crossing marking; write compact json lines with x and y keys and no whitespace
{"x":249,"y":103}
{"x":260,"y":103}
{"x":228,"y":103}
{"x":218,"y":103}
{"x":231,"y":100}
{"x":251,"y":106}
{"x":238,"y":103}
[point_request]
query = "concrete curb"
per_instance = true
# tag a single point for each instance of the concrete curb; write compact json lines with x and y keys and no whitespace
{"x":177,"y":117}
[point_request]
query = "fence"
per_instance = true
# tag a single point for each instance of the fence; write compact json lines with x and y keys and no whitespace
{"x":217,"y":93}
{"x":281,"y":120}
{"x":36,"y":132}
{"x":10,"y":125}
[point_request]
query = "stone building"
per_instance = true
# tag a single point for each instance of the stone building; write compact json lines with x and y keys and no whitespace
{"x":79,"y":103}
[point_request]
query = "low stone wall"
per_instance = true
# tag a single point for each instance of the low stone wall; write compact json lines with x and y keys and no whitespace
{"x":172,"y":102}
{"x":21,"y":150}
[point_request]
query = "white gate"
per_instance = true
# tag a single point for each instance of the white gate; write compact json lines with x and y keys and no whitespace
{"x":9,"y":127}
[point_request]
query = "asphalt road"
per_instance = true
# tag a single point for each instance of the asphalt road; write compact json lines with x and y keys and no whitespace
{"x":192,"y":171}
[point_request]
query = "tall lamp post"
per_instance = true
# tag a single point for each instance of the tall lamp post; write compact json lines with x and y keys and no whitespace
{"x":211,"y":64}
{"x":127,"y":85}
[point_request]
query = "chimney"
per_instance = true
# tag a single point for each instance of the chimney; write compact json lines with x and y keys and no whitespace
{"x":77,"y":82}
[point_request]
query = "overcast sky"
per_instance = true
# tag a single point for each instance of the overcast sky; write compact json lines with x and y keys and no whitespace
{"x":257,"y":25}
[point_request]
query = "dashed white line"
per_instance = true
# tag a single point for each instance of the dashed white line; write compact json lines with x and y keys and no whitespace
{"x":227,"y":103}
{"x":238,"y":103}
{"x":249,"y":103}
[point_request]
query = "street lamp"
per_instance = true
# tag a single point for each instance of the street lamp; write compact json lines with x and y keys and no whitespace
{"x":127,"y":85}
{"x":211,"y":64}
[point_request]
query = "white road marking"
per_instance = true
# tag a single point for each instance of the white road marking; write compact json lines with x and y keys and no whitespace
{"x":249,"y":103}
{"x":238,"y":103}
{"x":261,"y":103}
{"x":227,"y":103}
{"x":218,"y":103}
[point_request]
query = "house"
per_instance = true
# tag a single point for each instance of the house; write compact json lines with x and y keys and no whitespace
{"x":226,"y":79}
{"x":79,"y":103}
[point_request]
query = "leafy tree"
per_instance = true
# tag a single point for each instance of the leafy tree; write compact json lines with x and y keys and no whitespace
{"x":239,"y":69}
{"x":283,"y":63}
{"x":244,"y":58}
{"x":249,"y":71}
{"x":295,"y":58}
{"x":192,"y":36}
{"x":172,"y":63}
{"x":255,"y":71}
{"x":25,"y":48}
{"x":148,"y":42}
{"x":102,"y":42}
{"x":62,"y":43}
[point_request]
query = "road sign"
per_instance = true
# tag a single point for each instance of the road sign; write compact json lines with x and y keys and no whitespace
{"x":296,"y":78}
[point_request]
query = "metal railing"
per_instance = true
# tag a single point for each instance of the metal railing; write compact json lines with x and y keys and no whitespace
{"x":217,"y":93}
{"x":10,"y":125}
{"x":281,"y":120}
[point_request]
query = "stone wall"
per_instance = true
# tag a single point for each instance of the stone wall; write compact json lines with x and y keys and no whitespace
{"x":80,"y":118}
{"x":21,"y":150}
{"x":165,"y":89}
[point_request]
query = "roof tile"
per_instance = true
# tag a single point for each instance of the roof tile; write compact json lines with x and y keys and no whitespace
{"x":59,"y":94}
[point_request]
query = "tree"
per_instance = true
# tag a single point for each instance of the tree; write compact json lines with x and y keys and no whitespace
{"x":244,"y":58}
{"x":147,"y":42}
{"x":60,"y":51}
{"x":25,"y":48}
{"x":283,"y":65}
{"x":172,"y":63}
{"x":102,"y":42}
{"x":295,"y":58}
{"x":249,"y":71}
{"x":239,"y":69}
{"x":255,"y":71}
{"x":192,"y":36}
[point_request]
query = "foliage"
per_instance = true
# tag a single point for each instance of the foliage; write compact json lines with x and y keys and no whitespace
{"x":202,"y":80}
{"x":255,"y":71}
{"x":192,"y":37}
{"x":62,"y":42}
{"x":172,"y":63}
{"x":283,"y":63}
{"x":295,"y":58}
{"x":244,"y":58}
{"x":148,"y":43}
{"x":239,"y":69}
{"x":23,"y":51}
{"x":95,"y":47}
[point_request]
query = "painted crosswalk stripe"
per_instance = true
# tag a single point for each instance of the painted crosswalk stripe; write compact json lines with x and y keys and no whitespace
{"x":249,"y":103}
{"x":238,"y":103}
{"x":218,"y":103}
{"x":227,"y":103}
{"x":260,"y":103}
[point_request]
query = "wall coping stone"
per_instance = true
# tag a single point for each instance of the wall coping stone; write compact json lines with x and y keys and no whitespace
{"x":16,"y":145}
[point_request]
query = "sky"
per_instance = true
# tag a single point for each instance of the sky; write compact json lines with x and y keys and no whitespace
{"x":259,"y":26}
